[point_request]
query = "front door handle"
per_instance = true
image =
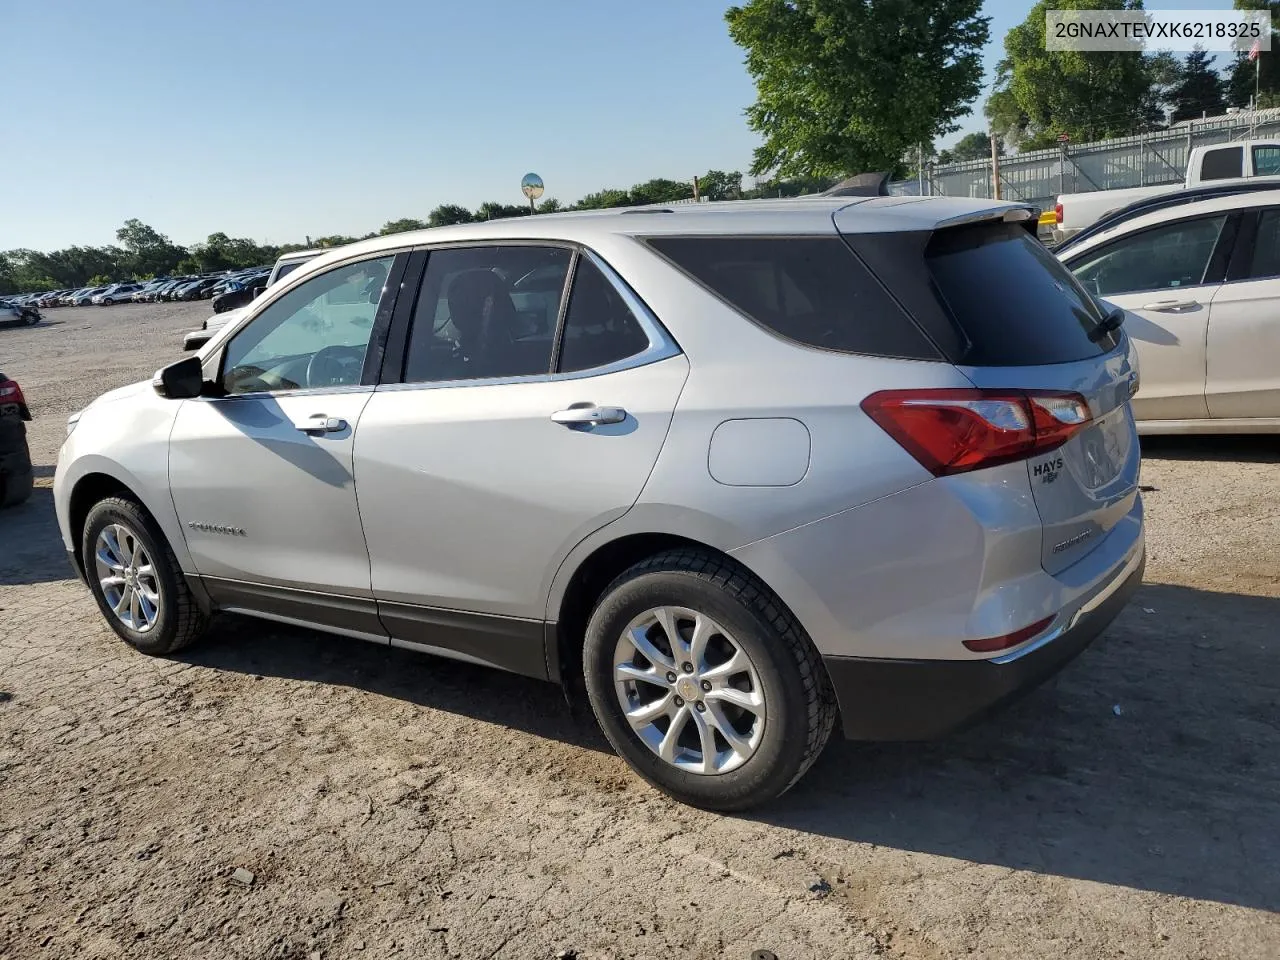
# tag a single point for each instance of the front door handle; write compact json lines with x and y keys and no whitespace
{"x":589,"y":415}
{"x":1169,"y":306}
{"x":319,"y":423}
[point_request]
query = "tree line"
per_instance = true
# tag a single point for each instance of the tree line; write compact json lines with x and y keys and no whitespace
{"x":143,"y":252}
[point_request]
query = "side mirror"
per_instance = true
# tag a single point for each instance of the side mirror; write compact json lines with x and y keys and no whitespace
{"x":257,"y":292}
{"x":180,"y":381}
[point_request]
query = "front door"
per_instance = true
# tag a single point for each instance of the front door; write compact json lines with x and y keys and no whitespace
{"x":1164,"y":277}
{"x":500,"y":452}
{"x":262,"y":477}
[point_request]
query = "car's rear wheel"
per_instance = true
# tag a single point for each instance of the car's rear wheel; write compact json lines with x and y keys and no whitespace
{"x":136,"y":580}
{"x":704,"y":683}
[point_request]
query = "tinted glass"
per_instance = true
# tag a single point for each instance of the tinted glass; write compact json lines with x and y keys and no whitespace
{"x":1014,"y":301}
{"x":1266,"y":161}
{"x":812,"y":290}
{"x":487,"y":312}
{"x":599,"y":327}
{"x":1222,"y":164}
{"x":1173,"y":255}
{"x":315,"y":335}
{"x":1266,"y":248}
{"x":287,"y":268}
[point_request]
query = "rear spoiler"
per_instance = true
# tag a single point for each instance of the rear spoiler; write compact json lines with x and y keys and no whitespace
{"x":862,"y":185}
{"x":1025,"y":215}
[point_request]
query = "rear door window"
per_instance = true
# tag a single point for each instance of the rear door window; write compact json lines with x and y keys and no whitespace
{"x":599,"y":327}
{"x":1166,"y":257}
{"x":811,"y":290}
{"x":1222,"y":164}
{"x":1266,"y":161}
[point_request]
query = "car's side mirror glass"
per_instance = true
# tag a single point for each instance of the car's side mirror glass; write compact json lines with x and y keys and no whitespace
{"x":257,"y":292}
{"x":180,"y":381}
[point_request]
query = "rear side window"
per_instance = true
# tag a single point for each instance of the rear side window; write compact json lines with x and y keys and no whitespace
{"x":1266,"y":246}
{"x":1222,"y":164}
{"x":811,"y":290}
{"x":1016,"y":304}
{"x":599,"y":328}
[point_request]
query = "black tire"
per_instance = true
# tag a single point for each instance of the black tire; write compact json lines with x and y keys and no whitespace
{"x":179,"y":621}
{"x":800,"y":703}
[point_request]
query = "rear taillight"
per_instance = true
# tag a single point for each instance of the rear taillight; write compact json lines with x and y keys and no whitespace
{"x":955,"y":431}
{"x":1057,"y":212}
{"x":992,"y":644}
{"x":10,"y":392}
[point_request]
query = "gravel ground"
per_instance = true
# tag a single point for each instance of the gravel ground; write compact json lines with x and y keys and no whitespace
{"x":395,"y":805}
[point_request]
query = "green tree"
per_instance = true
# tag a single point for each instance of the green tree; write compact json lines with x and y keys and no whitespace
{"x":1199,"y":89}
{"x":549,"y":205}
{"x":403,"y":225}
{"x":448,"y":214}
{"x":846,"y":86}
{"x":659,"y":190}
{"x":1040,"y":94}
{"x":719,"y":185}
{"x":1245,"y":75}
{"x":972,"y":146}
{"x":604,"y":199}
{"x":500,"y":211}
{"x":149,"y":251}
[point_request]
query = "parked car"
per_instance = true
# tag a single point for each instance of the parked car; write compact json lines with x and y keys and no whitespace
{"x":15,"y":457}
{"x":726,"y":480}
{"x":239,"y":293}
{"x":14,"y":314}
{"x":1199,"y":283}
{"x":51,"y":299}
{"x":116,"y":293}
{"x":1215,"y":163}
{"x":285,"y":265}
{"x":195,"y":290}
{"x":85,"y":298}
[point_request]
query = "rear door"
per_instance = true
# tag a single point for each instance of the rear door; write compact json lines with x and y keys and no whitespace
{"x":1243,"y":374}
{"x":519,"y":427}
{"x":1165,"y":277}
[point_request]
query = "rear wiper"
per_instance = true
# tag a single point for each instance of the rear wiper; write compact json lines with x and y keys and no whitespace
{"x":1109,"y":324}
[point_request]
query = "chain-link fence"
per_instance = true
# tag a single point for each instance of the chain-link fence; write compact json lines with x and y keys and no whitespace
{"x":1038,"y":176}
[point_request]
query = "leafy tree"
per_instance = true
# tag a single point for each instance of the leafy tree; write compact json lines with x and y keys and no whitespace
{"x":659,"y":190}
{"x":549,"y":205}
{"x":1244,"y":73}
{"x":718,"y":185}
{"x":449,"y":213}
{"x":500,"y":211}
{"x":1199,"y":89}
{"x":149,"y":250}
{"x":101,"y":280}
{"x":336,"y":240}
{"x":604,"y":199}
{"x":403,"y":225}
{"x":972,"y":146}
{"x":845,"y":86}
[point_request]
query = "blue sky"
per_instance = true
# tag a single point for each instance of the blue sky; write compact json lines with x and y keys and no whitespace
{"x":276,"y":119}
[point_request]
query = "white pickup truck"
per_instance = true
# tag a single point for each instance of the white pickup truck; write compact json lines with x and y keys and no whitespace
{"x":1215,"y":163}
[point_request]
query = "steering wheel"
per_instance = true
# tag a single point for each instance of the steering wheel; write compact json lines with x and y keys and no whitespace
{"x":332,"y":366}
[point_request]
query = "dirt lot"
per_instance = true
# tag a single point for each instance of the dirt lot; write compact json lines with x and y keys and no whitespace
{"x":395,"y":805}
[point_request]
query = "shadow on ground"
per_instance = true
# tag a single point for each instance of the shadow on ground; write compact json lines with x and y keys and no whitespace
{"x":1178,"y":792}
{"x":31,"y":548}
{"x":1239,"y":449}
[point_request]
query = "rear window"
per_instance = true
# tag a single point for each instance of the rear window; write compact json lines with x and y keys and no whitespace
{"x":811,"y":290}
{"x":1015,"y":303}
{"x":1222,"y":164}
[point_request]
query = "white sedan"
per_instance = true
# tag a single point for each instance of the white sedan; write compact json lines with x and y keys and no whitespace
{"x":1200,"y":286}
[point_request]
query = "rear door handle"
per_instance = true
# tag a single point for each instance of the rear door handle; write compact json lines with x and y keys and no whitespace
{"x":319,"y":423}
{"x":1168,"y":306}
{"x":589,"y":415}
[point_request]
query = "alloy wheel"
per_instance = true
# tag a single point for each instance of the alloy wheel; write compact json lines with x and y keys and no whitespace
{"x":689,"y":690}
{"x":127,"y":577}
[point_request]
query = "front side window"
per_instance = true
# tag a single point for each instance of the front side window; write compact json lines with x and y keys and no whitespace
{"x":487,"y":312}
{"x":1167,"y":257}
{"x":316,"y":335}
{"x":1266,"y":161}
{"x":1223,"y":164}
{"x":599,"y":327}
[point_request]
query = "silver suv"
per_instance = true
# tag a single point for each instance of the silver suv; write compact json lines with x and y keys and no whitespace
{"x":731,"y":471}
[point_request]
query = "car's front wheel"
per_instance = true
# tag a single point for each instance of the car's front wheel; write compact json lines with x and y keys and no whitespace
{"x":136,"y":580}
{"x":704,"y":683}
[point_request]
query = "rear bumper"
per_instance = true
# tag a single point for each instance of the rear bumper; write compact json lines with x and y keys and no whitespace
{"x":883,"y":699}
